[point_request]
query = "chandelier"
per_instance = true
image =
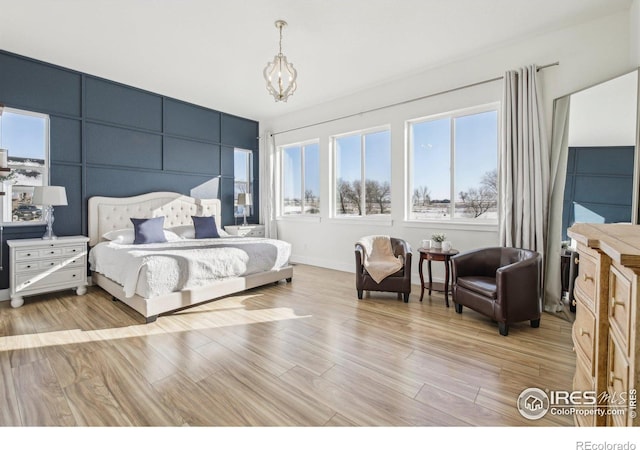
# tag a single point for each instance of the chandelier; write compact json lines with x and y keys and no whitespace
{"x":279,"y":73}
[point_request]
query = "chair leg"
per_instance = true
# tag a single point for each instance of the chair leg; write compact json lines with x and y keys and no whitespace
{"x":503,"y":328}
{"x":458,"y":308}
{"x":535,"y":323}
{"x":359,"y":294}
{"x":406,"y":297}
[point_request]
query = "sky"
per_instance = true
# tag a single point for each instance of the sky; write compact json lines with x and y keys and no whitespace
{"x":476,"y":153}
{"x":22,"y":135}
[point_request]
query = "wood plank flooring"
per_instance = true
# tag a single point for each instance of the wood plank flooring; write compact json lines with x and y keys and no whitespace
{"x":306,"y":353}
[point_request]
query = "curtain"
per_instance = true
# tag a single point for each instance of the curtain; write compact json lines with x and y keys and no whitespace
{"x":559,"y":154}
{"x":267,"y":185}
{"x":524,"y":164}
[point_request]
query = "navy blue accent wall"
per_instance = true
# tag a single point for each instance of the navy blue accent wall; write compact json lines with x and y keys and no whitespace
{"x":115,"y":140}
{"x":599,"y":185}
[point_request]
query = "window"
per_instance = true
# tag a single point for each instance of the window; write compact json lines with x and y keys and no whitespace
{"x":453,"y":162}
{"x":300,"y":179}
{"x":25,"y":136}
{"x":243,"y":179}
{"x":363,"y":173}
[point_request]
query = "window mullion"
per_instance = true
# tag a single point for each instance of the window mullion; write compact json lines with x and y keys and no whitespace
{"x":363,"y":178}
{"x":302,"y":181}
{"x":452,"y":168}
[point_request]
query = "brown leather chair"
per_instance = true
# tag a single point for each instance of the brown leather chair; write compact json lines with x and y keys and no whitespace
{"x":399,"y":282}
{"x":502,"y":283}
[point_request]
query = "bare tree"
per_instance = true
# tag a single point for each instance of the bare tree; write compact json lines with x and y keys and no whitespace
{"x":344,"y":194}
{"x":378,"y":193}
{"x":479,"y":200}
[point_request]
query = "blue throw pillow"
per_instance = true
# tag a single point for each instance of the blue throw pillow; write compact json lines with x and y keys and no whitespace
{"x":148,"y":231}
{"x":205,"y":227}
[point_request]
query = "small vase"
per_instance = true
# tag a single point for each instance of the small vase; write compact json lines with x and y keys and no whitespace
{"x":436,"y":245}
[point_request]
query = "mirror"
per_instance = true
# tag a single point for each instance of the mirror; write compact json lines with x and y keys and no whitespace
{"x":599,"y":183}
{"x":594,"y":170}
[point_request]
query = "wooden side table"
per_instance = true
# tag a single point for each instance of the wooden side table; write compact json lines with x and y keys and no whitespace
{"x":432,"y":254}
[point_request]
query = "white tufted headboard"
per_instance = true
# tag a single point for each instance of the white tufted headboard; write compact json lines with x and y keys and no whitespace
{"x":113,"y":213}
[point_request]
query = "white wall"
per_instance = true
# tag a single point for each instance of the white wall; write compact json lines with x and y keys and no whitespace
{"x":605,"y":115}
{"x":588,"y":53}
{"x":634,"y":15}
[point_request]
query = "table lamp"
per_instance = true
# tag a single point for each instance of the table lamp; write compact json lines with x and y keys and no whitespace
{"x":244,"y":200}
{"x":48,"y":197}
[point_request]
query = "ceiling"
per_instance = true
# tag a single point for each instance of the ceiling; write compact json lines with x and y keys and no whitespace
{"x":212,"y":52}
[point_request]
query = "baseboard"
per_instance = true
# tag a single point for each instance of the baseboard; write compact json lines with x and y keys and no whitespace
{"x":318,"y":262}
{"x":343,"y":267}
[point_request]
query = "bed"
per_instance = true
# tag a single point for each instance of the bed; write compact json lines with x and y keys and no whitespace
{"x":191,"y":271}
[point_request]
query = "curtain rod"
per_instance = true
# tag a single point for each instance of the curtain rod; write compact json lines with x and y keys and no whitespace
{"x":404,"y":102}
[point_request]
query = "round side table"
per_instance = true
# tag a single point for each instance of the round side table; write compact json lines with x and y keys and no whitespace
{"x":432,"y":254}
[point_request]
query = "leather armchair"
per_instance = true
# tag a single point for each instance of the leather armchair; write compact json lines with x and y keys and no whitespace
{"x":502,"y":283}
{"x":399,"y":282}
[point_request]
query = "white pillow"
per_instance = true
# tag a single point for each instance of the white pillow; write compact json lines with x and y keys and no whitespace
{"x":189,"y":231}
{"x":126,"y":236}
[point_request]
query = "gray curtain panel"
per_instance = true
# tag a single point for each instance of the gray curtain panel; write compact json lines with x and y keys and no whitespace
{"x":524,"y":164}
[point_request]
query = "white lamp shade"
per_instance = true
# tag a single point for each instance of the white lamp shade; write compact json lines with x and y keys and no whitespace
{"x":244,"y":199}
{"x":49,"y":196}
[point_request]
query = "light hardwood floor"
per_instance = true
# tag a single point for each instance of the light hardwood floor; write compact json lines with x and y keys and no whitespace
{"x":306,"y":353}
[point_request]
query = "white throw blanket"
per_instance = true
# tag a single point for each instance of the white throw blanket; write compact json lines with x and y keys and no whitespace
{"x":379,"y":259}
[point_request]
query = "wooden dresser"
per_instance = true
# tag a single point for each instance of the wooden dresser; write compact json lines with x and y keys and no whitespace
{"x":605,"y":338}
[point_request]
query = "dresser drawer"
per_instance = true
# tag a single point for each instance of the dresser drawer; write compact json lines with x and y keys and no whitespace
{"x":75,"y":250}
{"x":588,"y":276}
{"x":620,"y":305}
{"x":617,"y":373}
{"x":32,"y":281}
{"x":28,"y":254}
{"x":27,"y":266}
{"x":48,"y":264}
{"x":584,"y":329}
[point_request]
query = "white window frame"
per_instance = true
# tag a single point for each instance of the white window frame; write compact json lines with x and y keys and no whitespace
{"x":409,"y":157}
{"x":248,"y":184}
{"x":363,"y":176}
{"x":6,"y":201}
{"x":281,"y":150}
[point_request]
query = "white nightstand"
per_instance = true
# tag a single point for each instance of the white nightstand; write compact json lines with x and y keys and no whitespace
{"x":252,"y":230}
{"x":37,"y":266}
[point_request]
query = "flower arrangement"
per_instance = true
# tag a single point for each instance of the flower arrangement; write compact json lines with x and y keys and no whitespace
{"x":438,"y":237}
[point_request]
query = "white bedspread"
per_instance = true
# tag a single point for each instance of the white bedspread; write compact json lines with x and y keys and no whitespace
{"x":151,"y":270}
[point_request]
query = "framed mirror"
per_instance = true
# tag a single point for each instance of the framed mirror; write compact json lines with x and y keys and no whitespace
{"x":24,"y":139}
{"x":594,"y":167}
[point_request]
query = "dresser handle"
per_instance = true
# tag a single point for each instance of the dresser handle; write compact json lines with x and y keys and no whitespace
{"x":52,"y":264}
{"x":28,"y":267}
{"x":52,"y":252}
{"x":613,"y":378}
{"x":576,"y":261}
{"x":74,"y":275}
{"x":584,"y":332}
{"x":586,"y":278}
{"x":615,"y":303}
{"x":28,"y":254}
